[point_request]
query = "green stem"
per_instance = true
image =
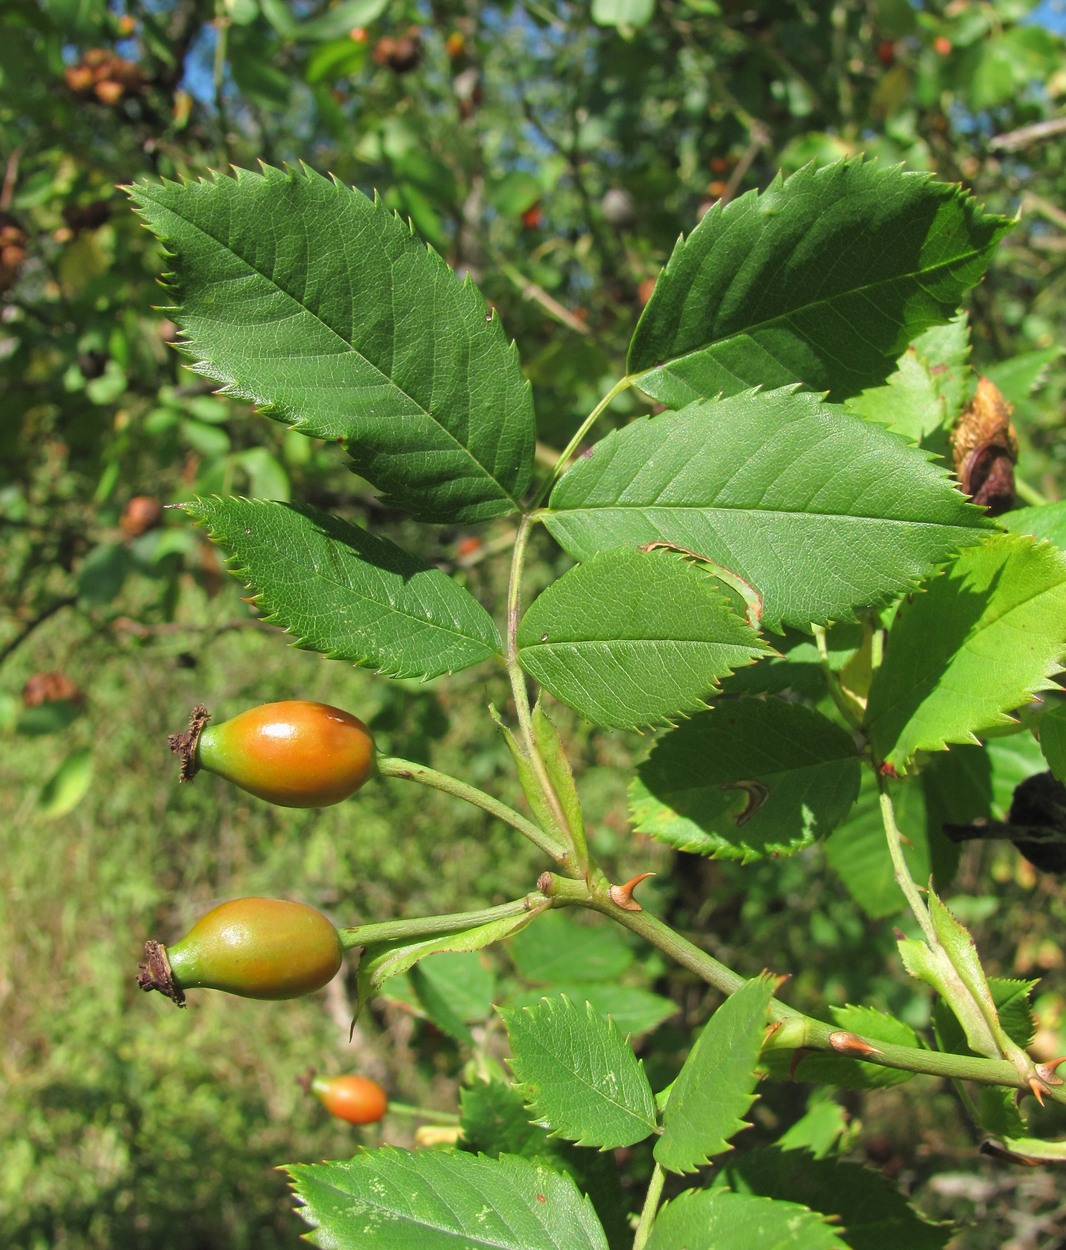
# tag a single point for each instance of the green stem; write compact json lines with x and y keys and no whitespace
{"x":899,"y":865}
{"x":622,"y":385}
{"x":578,"y":858}
{"x":831,"y":680}
{"x":422,"y":1113}
{"x":798,"y":1031}
{"x":650,"y":1208}
{"x":432,"y":926}
{"x":1029,"y":494}
{"x":405,"y":770}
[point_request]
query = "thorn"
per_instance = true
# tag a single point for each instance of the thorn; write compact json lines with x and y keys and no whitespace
{"x":1046,"y":1071}
{"x":798,"y":1057}
{"x":622,"y":895}
{"x":851,"y":1044}
{"x":1038,"y":1090}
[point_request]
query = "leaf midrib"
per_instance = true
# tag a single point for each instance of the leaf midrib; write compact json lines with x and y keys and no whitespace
{"x":719,"y":506}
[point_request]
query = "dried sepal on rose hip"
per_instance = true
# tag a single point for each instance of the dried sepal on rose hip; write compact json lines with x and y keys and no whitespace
{"x":253,"y":947}
{"x":357,"y":1099}
{"x":294,"y":753}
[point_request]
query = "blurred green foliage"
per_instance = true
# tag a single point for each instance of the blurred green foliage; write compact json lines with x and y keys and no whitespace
{"x":555,"y":160}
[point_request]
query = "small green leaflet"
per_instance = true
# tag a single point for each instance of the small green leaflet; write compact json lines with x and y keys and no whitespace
{"x":819,"y":510}
{"x":710,"y":1219}
{"x":321,"y":307}
{"x":953,"y":968}
{"x":823,"y":278}
{"x":716,"y":1085}
{"x":751,"y":777}
{"x":633,"y":638}
{"x":980,"y":640}
{"x":582,"y":1079}
{"x":932,"y":384}
{"x":382,"y":960}
{"x":435,"y":1200}
{"x":346,"y":593}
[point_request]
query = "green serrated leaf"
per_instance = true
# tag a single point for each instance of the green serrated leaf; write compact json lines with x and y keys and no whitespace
{"x":432,"y":1200}
{"x":825,"y":277}
{"x":320,"y":306}
{"x":707,"y":1219}
{"x":633,"y":638}
{"x":582,"y":1078}
{"x":866,"y":1207}
{"x":751,"y":777}
{"x":979,"y":641}
{"x":819,"y":510}
{"x":346,"y":593}
{"x":716,"y":1086}
{"x":495,"y":1121}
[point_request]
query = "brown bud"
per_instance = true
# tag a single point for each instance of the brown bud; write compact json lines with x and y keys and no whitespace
{"x":985,"y":449}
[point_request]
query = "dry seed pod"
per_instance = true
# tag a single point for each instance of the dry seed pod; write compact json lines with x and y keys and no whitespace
{"x":985,"y":450}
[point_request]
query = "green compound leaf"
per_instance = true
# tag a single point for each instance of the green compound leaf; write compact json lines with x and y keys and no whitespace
{"x":981,"y":640}
{"x":751,"y":777}
{"x":320,"y":306}
{"x":716,"y":1086}
{"x":346,"y":593}
{"x":818,"y":510}
{"x":432,"y":1200}
{"x":583,"y":1080}
{"x":634,"y":638}
{"x":709,"y":1219}
{"x":823,"y":278}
